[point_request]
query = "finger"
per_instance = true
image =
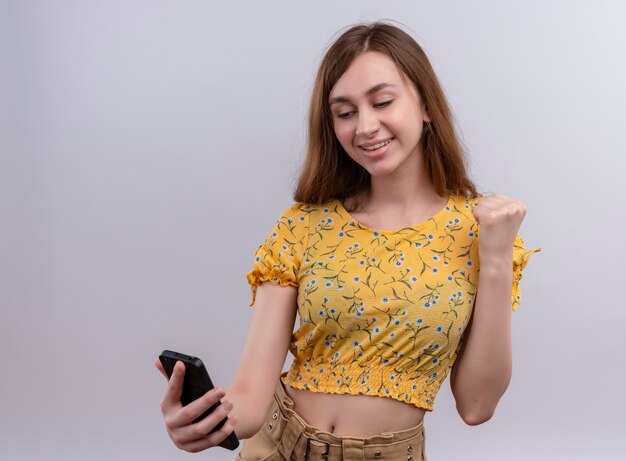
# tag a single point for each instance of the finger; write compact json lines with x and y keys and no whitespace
{"x":214,"y":439}
{"x":497,"y":207}
{"x":483,"y":203}
{"x":486,"y":214}
{"x":207,"y":424}
{"x":506,"y":206}
{"x":159,"y":367}
{"x":496,"y":196}
{"x":175,"y":386}
{"x":195,"y":409}
{"x":491,"y":202}
{"x":218,"y":436}
{"x":482,"y":206}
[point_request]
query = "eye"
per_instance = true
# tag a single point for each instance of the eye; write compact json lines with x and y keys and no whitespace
{"x":380,"y":105}
{"x":345,"y":115}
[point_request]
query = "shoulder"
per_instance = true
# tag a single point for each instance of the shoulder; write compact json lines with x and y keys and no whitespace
{"x":460,"y":207}
{"x":299,"y":216}
{"x":300,"y":211}
{"x":462,"y":201}
{"x":292,"y":219}
{"x":295,"y":210}
{"x":304,"y":211}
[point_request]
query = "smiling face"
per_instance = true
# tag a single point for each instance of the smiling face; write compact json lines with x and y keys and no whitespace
{"x":378,"y":116}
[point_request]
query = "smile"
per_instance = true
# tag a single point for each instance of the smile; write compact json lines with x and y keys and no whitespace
{"x":376,"y":146}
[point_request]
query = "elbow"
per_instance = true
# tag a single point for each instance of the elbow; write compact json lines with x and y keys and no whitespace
{"x":476,"y":417}
{"x":476,"y":411}
{"x":247,"y":425}
{"x":245,"y":432}
{"x":249,"y":416}
{"x":478,"y":407}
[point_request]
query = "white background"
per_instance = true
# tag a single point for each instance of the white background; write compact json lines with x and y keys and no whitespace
{"x":147,"y":147}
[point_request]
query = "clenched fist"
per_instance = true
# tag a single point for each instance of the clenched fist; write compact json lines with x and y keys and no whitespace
{"x":500,"y":218}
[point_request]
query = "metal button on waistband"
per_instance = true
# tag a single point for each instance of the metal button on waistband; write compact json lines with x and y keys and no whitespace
{"x":378,"y":454}
{"x":410,"y":449}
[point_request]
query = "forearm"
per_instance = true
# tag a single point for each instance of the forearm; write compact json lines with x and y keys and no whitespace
{"x":484,"y":371}
{"x":249,"y":411}
{"x":252,"y":389}
{"x":263,"y":357}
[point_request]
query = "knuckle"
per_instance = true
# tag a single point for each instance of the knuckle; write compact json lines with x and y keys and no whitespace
{"x":176,"y":440}
{"x":216,"y":437}
{"x":211,"y":398}
{"x":221,"y":412}
{"x":197,"y":432}
{"x":169,"y":423}
{"x":228,"y":428}
{"x":187,"y":413}
{"x":519,"y":208}
{"x":189,"y":448}
{"x":208,"y":398}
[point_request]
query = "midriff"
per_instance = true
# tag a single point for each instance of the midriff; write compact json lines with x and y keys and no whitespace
{"x":347,"y":415}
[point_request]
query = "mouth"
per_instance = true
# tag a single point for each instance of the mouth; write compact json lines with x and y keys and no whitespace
{"x":375,"y":150}
{"x":375,"y":146}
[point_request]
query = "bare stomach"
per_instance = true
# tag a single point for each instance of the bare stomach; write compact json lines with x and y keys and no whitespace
{"x":354,"y":415}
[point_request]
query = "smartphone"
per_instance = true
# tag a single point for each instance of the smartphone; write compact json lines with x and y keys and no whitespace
{"x":196,"y":384}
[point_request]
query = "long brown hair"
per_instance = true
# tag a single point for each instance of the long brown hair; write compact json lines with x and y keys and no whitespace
{"x":328,"y":172}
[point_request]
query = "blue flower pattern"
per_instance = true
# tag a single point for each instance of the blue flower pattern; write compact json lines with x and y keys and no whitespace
{"x":381,"y":312}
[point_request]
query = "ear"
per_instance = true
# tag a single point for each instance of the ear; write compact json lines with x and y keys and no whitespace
{"x":425,"y":114}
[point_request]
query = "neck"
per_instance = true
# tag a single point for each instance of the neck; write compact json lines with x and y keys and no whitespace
{"x":402,"y":192}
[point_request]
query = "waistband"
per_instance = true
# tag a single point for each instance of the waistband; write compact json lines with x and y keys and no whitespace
{"x":310,"y":443}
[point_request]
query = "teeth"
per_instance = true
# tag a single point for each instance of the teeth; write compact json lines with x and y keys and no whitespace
{"x":377,"y":146}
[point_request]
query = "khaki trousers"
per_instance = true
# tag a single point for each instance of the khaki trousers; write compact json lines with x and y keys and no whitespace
{"x":285,"y":436}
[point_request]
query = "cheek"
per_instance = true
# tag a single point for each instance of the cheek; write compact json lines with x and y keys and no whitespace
{"x":344,"y":137}
{"x":408,"y":125}
{"x":343,"y":132}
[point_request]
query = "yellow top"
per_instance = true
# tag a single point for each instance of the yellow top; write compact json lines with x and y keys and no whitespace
{"x":381,"y":312}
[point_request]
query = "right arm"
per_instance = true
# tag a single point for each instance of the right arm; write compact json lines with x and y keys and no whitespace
{"x":249,"y":397}
{"x":263,"y":356}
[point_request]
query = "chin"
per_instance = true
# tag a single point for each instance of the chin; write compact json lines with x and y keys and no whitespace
{"x":380,"y":171}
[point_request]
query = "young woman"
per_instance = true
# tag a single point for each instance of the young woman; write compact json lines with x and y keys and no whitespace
{"x":380,"y":258}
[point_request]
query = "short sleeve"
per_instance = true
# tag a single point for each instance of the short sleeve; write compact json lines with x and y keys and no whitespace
{"x":278,"y":259}
{"x":520,"y":258}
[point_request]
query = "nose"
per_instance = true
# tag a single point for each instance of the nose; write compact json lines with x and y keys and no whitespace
{"x":368,"y":123}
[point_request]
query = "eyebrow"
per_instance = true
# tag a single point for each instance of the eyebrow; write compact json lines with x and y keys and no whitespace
{"x":370,"y":92}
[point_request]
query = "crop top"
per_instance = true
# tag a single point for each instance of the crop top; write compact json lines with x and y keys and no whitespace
{"x":381,"y":313}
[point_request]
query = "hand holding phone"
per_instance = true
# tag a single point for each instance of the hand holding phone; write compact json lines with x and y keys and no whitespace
{"x":195,"y":418}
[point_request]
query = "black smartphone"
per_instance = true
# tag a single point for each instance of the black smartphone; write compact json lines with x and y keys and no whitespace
{"x":196,"y":384}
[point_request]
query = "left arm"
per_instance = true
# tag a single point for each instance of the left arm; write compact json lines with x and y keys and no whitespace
{"x":482,"y":371}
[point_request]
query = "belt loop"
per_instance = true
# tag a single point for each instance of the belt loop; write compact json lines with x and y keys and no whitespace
{"x":290,"y":436}
{"x":282,"y":396}
{"x":352,"y":449}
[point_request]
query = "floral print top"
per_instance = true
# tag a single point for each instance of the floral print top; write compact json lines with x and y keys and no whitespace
{"x":381,"y":313}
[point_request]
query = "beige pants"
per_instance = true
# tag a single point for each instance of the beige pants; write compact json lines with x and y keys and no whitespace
{"x":285,"y":436}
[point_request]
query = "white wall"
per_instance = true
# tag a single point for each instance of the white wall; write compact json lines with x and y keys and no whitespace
{"x":148,"y":146}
